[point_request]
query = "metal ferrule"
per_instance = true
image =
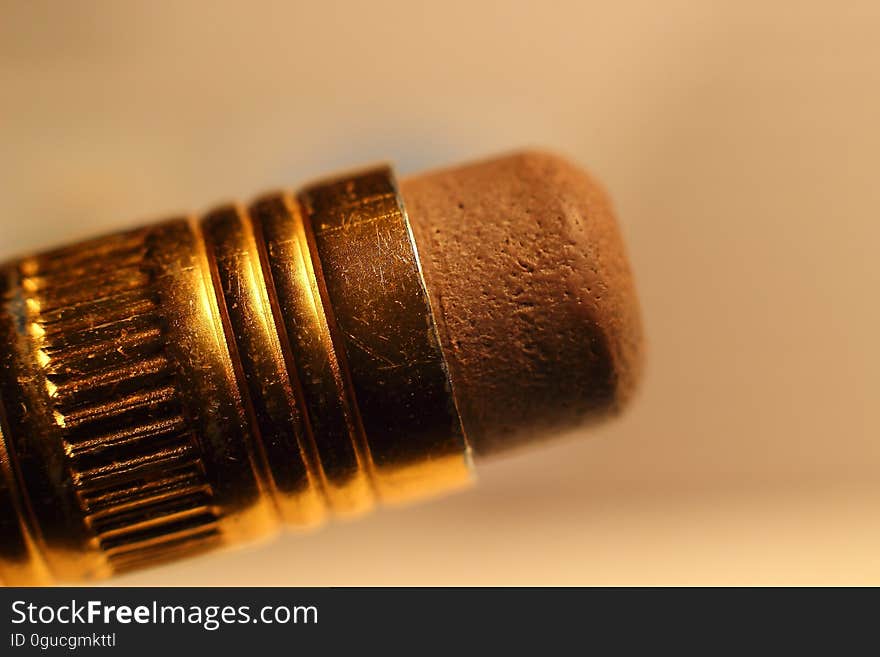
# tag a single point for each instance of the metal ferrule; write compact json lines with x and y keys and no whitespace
{"x":194,"y":384}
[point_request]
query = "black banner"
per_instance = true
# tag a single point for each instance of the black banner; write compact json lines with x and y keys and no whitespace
{"x":205,"y":621}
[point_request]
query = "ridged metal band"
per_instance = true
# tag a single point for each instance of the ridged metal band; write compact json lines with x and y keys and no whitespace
{"x":183,"y":386}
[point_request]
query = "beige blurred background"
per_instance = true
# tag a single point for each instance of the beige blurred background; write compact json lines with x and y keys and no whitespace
{"x":741,"y":143}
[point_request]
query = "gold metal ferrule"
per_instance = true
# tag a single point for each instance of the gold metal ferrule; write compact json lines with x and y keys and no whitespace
{"x":194,"y":384}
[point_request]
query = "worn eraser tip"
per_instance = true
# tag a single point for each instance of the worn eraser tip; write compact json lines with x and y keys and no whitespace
{"x":532,"y":294}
